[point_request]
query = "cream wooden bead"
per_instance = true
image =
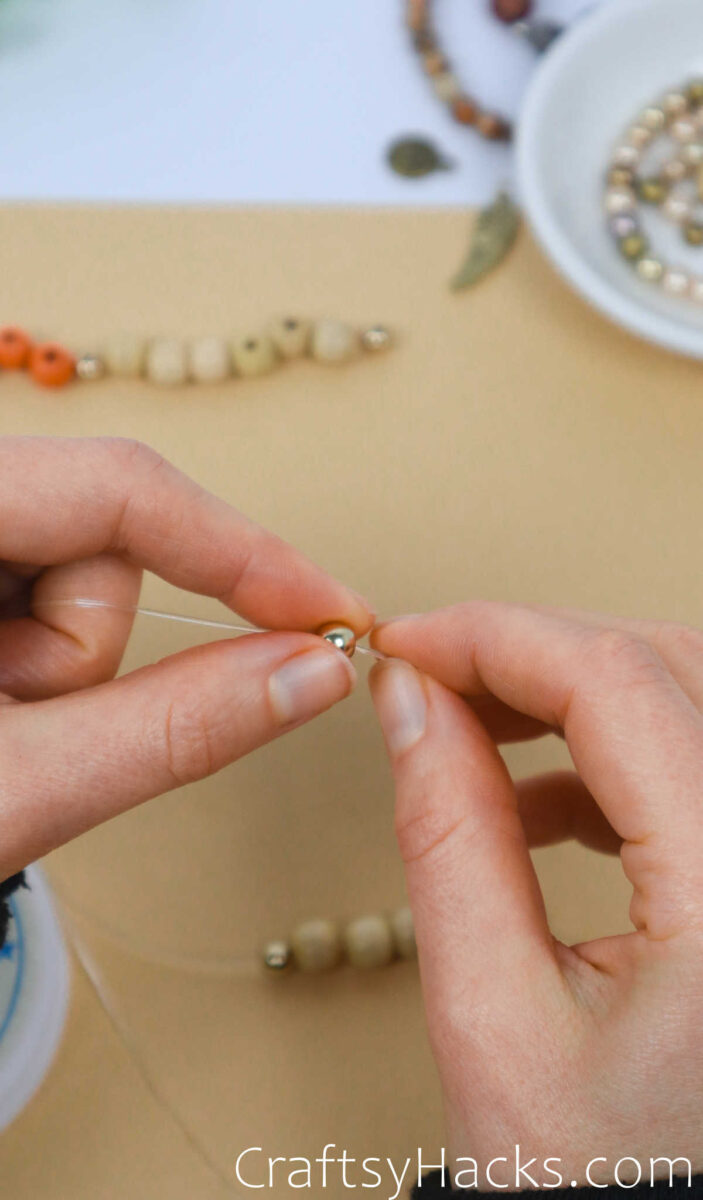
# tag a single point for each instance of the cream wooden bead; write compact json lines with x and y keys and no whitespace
{"x":368,"y":942}
{"x":125,"y":354}
{"x":334,"y":341}
{"x":316,"y":945}
{"x":167,"y":362}
{"x":290,"y":336}
{"x":254,"y":354}
{"x":404,"y":933}
{"x":209,"y":360}
{"x":447,"y":86}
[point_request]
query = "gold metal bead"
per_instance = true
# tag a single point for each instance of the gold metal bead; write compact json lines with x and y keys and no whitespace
{"x":376,"y":338}
{"x":621,"y":177}
{"x":277,"y":955}
{"x":90,"y":367}
{"x":693,"y":233}
{"x":633,"y":247}
{"x":340,"y":636}
{"x":652,"y":190}
{"x":694,"y":92}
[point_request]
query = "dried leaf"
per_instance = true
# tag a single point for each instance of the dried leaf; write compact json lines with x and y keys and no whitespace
{"x":493,"y":235}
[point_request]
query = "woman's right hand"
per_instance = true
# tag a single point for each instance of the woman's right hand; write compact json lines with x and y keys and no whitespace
{"x":82,"y":518}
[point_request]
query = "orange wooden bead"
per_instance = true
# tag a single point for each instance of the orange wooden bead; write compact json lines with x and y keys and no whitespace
{"x":493,"y":127}
{"x":51,"y":365}
{"x":15,"y":348}
{"x":465,"y":110}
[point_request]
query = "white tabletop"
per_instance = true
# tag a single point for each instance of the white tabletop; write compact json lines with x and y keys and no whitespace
{"x":233,"y":101}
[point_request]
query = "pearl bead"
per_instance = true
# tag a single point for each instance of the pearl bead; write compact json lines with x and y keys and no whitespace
{"x":334,"y":342}
{"x":653,"y":118}
{"x":619,"y":200}
{"x":376,"y":338}
{"x":316,"y":945}
{"x":90,"y":367}
{"x":167,"y":362}
{"x":277,"y":955}
{"x":674,"y":170}
{"x":639,"y":136}
{"x":693,"y":154}
{"x":368,"y":942}
{"x":290,"y":336}
{"x":339,"y":636}
{"x":253,"y":355}
{"x":125,"y":354}
{"x":209,"y":360}
{"x":404,"y":933}
{"x":683,"y":130}
{"x":677,"y":208}
{"x":622,"y":225}
{"x":626,"y":156}
{"x":674,"y":103}
{"x":447,"y":86}
{"x":650,"y":269}
{"x":675,"y":282}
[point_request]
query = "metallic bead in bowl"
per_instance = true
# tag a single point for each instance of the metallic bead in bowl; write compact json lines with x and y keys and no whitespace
{"x":90,"y":367}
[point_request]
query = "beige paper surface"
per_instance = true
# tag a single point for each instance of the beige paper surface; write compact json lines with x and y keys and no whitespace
{"x":512,"y":446}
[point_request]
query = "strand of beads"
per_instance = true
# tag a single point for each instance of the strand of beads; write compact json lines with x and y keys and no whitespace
{"x":366,"y":942}
{"x":659,"y":164}
{"x":173,"y":361}
{"x":462,"y":106}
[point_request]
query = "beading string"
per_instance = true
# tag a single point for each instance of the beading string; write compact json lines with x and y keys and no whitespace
{"x":205,"y":622}
{"x":234,"y":966}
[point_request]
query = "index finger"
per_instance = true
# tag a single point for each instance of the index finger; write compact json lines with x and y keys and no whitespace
{"x":635,"y":736}
{"x":73,"y":498}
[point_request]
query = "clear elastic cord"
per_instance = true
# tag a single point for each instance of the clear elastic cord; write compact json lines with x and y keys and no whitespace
{"x":234,"y":967}
{"x":204,"y":622}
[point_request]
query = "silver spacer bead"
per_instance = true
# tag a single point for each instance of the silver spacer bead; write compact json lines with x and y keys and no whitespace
{"x":90,"y":367}
{"x":340,"y":636}
{"x":376,"y":338}
{"x":277,"y":955}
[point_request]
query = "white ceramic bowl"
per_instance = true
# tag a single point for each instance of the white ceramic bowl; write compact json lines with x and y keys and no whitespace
{"x":34,"y":993}
{"x":586,"y":92}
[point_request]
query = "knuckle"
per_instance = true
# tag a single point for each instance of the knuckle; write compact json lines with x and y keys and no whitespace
{"x":424,"y":834}
{"x":679,"y":638}
{"x":185,"y":745}
{"x":617,"y":652}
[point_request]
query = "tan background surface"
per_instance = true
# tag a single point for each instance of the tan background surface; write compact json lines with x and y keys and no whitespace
{"x":513,"y":445}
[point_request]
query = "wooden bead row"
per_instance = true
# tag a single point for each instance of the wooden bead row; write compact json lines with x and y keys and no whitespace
{"x":462,"y":106}
{"x":172,"y":361}
{"x":366,"y":942}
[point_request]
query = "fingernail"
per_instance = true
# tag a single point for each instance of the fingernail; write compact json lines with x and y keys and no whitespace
{"x":401,"y":706}
{"x":309,"y":683}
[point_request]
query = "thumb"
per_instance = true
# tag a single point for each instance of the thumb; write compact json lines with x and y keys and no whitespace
{"x":70,"y":763}
{"x":476,"y":903}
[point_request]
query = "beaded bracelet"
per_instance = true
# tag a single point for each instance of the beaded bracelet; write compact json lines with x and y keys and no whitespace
{"x":171,"y":361}
{"x":676,"y":120}
{"x":463,"y":107}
